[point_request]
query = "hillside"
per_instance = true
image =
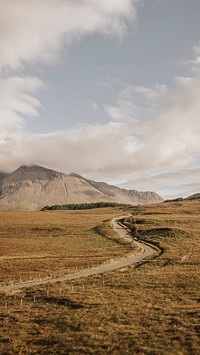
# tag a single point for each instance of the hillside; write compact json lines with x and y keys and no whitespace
{"x":33,"y":187}
{"x":123,"y":195}
{"x":2,"y":175}
{"x":189,"y":198}
{"x":194,"y":197}
{"x":152,"y":308}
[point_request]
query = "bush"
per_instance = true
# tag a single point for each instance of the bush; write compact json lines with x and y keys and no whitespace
{"x":134,"y":230}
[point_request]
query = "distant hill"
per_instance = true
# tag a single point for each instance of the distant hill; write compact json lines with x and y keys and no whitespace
{"x":190,"y":198}
{"x":33,"y":187}
{"x":194,"y":197}
{"x":2,"y":175}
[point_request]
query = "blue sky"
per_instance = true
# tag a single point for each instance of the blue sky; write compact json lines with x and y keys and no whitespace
{"x":109,"y":90}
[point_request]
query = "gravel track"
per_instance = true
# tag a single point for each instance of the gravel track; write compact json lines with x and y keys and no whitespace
{"x":146,"y":252}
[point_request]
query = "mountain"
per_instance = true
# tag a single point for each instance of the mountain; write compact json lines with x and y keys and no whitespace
{"x":123,"y":195}
{"x":33,"y":187}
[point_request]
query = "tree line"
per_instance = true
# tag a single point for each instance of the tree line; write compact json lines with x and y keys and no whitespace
{"x":82,"y":206}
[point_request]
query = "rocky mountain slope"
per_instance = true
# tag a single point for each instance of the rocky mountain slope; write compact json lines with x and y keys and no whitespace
{"x":123,"y":195}
{"x":33,"y":187}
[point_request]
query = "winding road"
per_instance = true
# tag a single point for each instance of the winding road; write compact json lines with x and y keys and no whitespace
{"x":146,"y":251}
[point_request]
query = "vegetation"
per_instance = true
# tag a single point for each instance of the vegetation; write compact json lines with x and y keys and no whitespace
{"x":191,"y":198}
{"x":37,"y":245}
{"x":194,"y":197}
{"x":152,"y":308}
{"x":175,"y":199}
{"x":82,"y":206}
{"x":132,"y":226}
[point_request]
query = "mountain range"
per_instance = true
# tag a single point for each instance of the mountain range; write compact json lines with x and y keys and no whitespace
{"x":33,"y":187}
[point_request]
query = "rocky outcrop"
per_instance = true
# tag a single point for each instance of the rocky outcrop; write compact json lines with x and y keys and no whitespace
{"x":33,"y":187}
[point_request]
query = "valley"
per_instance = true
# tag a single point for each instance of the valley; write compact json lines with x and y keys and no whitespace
{"x":152,"y":305}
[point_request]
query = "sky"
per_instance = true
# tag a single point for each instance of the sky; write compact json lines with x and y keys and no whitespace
{"x":108,"y":89}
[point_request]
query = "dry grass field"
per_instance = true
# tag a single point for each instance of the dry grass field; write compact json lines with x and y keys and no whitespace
{"x":42,"y":244}
{"x":152,"y":308}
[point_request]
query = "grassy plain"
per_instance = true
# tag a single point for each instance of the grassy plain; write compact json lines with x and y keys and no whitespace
{"x":153,"y":308}
{"x":40,"y":244}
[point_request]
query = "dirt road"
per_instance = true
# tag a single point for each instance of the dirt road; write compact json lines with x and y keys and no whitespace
{"x":146,"y":251}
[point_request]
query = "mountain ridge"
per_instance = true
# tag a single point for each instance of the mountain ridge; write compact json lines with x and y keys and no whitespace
{"x":112,"y":190}
{"x":33,"y":187}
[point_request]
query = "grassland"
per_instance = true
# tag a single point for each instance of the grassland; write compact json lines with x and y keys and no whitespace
{"x":153,"y":308}
{"x":42,"y":244}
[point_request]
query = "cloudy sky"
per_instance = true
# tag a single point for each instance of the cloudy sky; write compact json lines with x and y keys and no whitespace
{"x":108,"y":89}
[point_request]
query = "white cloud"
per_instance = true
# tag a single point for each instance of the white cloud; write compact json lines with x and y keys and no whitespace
{"x":97,"y":150}
{"x":94,"y":106}
{"x":136,"y":102}
{"x":17,"y":103}
{"x":196,"y":61}
{"x":36,"y":31}
{"x":176,"y":127}
{"x":150,"y":127}
{"x":167,"y":122}
{"x":171,"y":184}
{"x":166,"y":139}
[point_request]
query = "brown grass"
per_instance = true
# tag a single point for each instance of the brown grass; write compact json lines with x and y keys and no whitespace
{"x":153,"y":308}
{"x":39,"y":244}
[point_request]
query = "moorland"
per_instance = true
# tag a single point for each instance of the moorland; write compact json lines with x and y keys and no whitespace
{"x":149,"y":308}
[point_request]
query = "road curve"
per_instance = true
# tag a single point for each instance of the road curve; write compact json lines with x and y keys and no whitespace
{"x":146,"y":251}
